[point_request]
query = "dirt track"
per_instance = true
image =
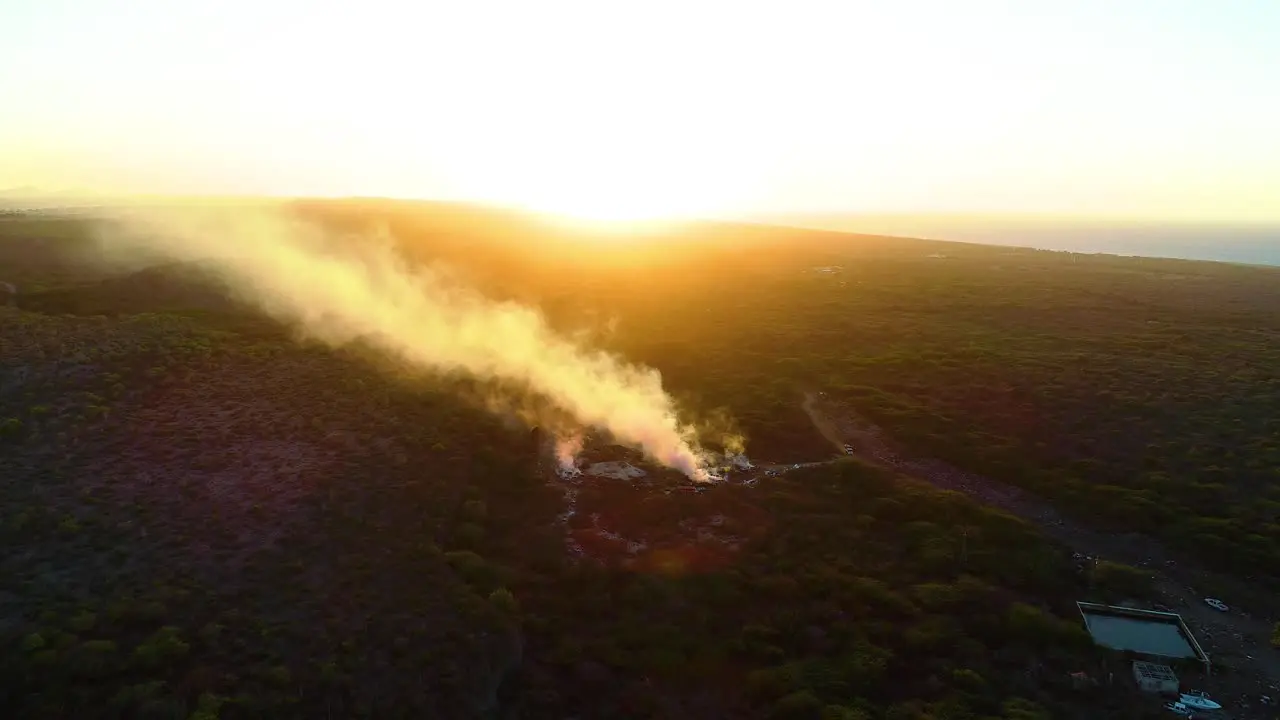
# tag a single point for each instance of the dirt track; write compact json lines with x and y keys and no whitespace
{"x":1238,"y":642}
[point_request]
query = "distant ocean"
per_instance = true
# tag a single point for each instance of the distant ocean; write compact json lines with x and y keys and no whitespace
{"x":1254,"y":245}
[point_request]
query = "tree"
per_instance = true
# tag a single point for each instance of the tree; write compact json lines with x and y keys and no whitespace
{"x":802,"y":705}
{"x":504,"y":601}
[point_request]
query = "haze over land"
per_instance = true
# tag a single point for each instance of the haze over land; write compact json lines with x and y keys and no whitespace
{"x":204,"y":512}
{"x":403,"y":359}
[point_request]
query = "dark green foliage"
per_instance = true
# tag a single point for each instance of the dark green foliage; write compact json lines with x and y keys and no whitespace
{"x":380,"y":577}
{"x":505,"y":602}
{"x":95,"y":659}
{"x":162,"y":648}
{"x":802,"y":705}
{"x":1121,"y":582}
{"x":33,"y":642}
{"x":472,"y":568}
{"x":207,"y":707}
{"x":10,"y":428}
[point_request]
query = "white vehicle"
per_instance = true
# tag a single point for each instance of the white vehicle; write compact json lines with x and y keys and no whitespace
{"x":848,"y":449}
{"x":1198,"y":700}
{"x":1216,"y":604}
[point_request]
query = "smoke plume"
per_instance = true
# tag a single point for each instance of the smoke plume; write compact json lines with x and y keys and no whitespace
{"x":567,"y":449}
{"x":343,"y":294}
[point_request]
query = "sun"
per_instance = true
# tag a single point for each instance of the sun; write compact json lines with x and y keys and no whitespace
{"x":616,"y":205}
{"x":616,"y":176}
{"x":598,"y":206}
{"x":579,"y":190}
{"x":605,"y":210}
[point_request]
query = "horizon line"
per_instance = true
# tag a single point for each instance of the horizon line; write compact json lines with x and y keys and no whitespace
{"x":52,"y":199}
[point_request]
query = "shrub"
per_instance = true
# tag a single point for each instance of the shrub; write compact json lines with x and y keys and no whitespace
{"x":839,"y":712}
{"x":802,"y":705}
{"x":33,"y":642}
{"x":472,"y":568}
{"x":162,"y":648}
{"x":470,"y":534}
{"x":207,"y":707}
{"x":475,"y":509}
{"x":95,"y":659}
{"x":505,"y":602}
{"x":10,"y":427}
{"x":1123,"y":581}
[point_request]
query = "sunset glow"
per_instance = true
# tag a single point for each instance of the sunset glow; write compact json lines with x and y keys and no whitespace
{"x":628,"y":110}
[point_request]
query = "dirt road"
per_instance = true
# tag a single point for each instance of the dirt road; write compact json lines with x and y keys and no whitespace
{"x":1238,"y":641}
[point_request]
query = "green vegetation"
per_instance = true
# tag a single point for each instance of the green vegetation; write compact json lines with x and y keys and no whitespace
{"x":204,"y":518}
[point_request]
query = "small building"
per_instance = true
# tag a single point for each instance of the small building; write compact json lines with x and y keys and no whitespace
{"x":1155,"y":678}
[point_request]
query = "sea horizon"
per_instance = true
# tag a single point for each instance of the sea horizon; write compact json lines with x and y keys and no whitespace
{"x":1249,"y":243}
{"x":1243,"y":243}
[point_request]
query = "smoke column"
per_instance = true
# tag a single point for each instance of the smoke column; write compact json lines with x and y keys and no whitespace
{"x":567,"y":450}
{"x":415,"y":315}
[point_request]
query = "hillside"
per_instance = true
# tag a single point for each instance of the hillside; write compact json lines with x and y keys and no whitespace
{"x":203,"y":511}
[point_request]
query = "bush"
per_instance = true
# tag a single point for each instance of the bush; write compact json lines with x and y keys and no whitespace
{"x":839,"y":712}
{"x":95,"y":659}
{"x":1021,"y":709}
{"x":10,"y":427}
{"x":278,"y":675}
{"x":83,"y":622}
{"x":473,"y":569}
{"x":207,"y":707}
{"x":773,"y":682}
{"x":162,"y":648}
{"x":470,"y":534}
{"x":802,"y":705}
{"x":505,"y":602}
{"x":475,"y":510}
{"x":33,"y":642}
{"x":1122,"y":581}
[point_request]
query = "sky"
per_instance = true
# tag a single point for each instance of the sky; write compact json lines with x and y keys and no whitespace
{"x":1147,"y":109}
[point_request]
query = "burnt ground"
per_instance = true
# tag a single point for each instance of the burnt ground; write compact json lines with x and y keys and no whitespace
{"x":661,"y":521}
{"x":1245,"y":666}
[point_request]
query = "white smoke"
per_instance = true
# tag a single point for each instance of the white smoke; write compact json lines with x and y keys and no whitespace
{"x":567,"y":450}
{"x":415,"y":315}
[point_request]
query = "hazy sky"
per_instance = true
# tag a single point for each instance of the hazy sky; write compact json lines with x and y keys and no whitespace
{"x":1153,"y":108}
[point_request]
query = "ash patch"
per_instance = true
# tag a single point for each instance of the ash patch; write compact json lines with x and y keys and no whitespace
{"x":617,"y":470}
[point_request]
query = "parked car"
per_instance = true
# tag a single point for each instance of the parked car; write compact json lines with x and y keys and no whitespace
{"x":1216,"y":604}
